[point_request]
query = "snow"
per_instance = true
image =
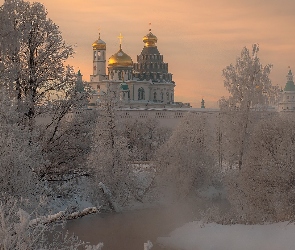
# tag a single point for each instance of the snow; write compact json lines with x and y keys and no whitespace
{"x":199,"y":236}
{"x":148,"y":245}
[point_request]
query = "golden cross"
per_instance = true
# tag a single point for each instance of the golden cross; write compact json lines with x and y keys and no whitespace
{"x":150,"y":24}
{"x":98,"y":32}
{"x":120,"y":37}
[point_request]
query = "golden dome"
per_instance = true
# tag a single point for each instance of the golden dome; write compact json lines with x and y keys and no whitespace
{"x":150,"y":40}
{"x":120,"y":59}
{"x":99,"y":44}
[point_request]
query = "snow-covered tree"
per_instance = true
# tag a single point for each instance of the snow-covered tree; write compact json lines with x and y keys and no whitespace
{"x":21,"y":158}
{"x":33,"y":54}
{"x":66,"y":137}
{"x":144,"y":138}
{"x":186,"y":161}
{"x":264,"y":188}
{"x":250,"y":89}
{"x":108,"y":160}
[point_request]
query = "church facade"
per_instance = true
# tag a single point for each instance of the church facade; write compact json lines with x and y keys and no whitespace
{"x":145,"y":83}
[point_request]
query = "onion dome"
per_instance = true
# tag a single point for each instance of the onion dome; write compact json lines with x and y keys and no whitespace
{"x":150,"y":40}
{"x":120,"y":59}
{"x":99,"y":44}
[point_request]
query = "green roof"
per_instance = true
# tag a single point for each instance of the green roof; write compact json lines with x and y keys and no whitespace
{"x":124,"y":86}
{"x":290,"y":83}
{"x":289,"y":86}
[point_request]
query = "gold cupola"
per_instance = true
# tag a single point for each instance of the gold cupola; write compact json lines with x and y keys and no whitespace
{"x":150,"y":39}
{"x":99,"y":44}
{"x":120,"y":59}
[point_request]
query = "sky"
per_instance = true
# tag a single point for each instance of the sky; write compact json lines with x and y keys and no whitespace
{"x":198,"y":38}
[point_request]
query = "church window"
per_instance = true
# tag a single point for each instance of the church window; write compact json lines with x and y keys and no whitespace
{"x":167,"y":95}
{"x":171,"y":97}
{"x":94,"y":55}
{"x":155,"y":96}
{"x":287,"y":97}
{"x":98,"y":53}
{"x":141,"y":95}
{"x":162,"y":96}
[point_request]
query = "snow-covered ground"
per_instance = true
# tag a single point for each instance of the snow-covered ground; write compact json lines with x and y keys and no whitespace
{"x":199,"y":236}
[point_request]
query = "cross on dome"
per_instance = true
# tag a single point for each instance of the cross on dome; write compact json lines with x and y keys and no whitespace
{"x":120,"y":38}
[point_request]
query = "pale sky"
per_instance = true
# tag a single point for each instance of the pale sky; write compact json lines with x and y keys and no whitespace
{"x":198,"y":38}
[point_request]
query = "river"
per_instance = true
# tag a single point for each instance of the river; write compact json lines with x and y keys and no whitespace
{"x":131,"y":229}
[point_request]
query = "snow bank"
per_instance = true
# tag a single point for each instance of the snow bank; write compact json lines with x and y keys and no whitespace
{"x":199,"y":236}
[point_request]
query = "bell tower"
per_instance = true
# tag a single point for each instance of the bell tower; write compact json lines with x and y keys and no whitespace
{"x":99,"y":60}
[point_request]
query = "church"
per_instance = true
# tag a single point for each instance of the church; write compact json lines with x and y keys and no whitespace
{"x":146,"y":83}
{"x":287,"y":95}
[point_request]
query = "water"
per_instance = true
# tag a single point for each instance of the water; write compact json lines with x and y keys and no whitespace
{"x":131,"y":229}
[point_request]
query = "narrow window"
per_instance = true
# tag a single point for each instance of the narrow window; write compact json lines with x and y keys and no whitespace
{"x":141,"y":95}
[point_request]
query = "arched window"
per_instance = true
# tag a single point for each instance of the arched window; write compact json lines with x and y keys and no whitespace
{"x":162,"y":96}
{"x":167,"y":96}
{"x":155,"y":96}
{"x":141,"y":95}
